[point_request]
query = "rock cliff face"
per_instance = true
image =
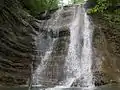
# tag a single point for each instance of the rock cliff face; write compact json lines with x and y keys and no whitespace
{"x":107,"y":46}
{"x":16,"y":43}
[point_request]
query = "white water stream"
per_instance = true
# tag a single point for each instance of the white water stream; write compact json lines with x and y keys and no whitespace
{"x":78,"y":62}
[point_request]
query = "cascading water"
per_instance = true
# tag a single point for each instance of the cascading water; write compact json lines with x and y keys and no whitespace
{"x":78,"y":61}
{"x":73,"y":64}
{"x":36,"y":76}
{"x":86,"y":56}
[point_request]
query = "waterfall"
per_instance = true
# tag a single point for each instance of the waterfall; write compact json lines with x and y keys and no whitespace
{"x":78,"y":61}
{"x":72,"y":65}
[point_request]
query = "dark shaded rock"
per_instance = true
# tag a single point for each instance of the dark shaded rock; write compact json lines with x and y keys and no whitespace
{"x":100,"y":78}
{"x":64,"y":33}
{"x":1,"y":4}
{"x":44,"y":17}
{"x":90,"y":4}
{"x":60,"y":32}
{"x":16,"y":44}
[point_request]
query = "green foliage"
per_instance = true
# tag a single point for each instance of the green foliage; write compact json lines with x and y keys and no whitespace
{"x":107,"y":9}
{"x":100,"y":6}
{"x":37,"y":6}
{"x":113,"y":18}
{"x":103,"y":5}
{"x":77,"y":1}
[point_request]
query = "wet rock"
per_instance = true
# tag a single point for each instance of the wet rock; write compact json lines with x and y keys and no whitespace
{"x":100,"y":78}
{"x":53,"y":27}
{"x":60,"y":32}
{"x":44,"y":17}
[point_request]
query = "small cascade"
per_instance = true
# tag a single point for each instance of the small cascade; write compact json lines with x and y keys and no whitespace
{"x":54,"y":23}
{"x":36,"y":76}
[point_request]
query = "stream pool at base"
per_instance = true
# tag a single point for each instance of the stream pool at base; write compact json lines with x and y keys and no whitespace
{"x":106,"y":87}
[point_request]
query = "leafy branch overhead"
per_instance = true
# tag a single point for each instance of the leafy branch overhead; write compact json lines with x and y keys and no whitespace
{"x":104,"y":5}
